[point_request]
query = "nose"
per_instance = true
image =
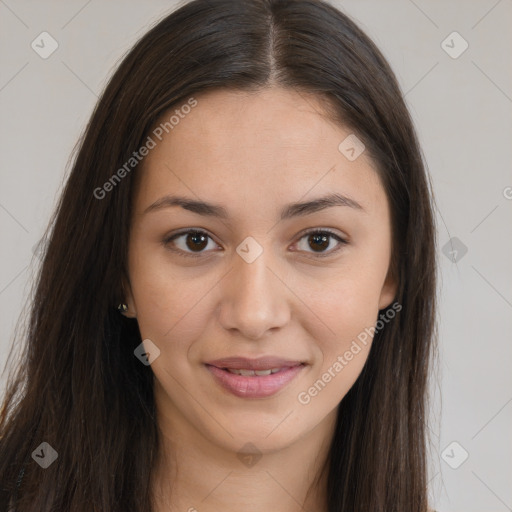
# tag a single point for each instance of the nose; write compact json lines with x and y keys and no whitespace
{"x":254,"y":298}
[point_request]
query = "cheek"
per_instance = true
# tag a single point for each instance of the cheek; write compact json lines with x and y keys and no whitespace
{"x":341,"y":354}
{"x":348,"y":306}
{"x":348,"y":299}
{"x":169,"y":302}
{"x":175,"y":303}
{"x":351,"y":318}
{"x":167,"y":312}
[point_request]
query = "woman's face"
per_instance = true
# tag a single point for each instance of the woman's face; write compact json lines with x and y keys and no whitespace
{"x":255,"y":290}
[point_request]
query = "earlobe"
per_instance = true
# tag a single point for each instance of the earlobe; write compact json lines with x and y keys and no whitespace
{"x":126,"y":311}
{"x":127,"y":307}
{"x":388,"y":292}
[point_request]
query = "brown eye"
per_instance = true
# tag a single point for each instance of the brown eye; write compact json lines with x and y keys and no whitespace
{"x":320,"y":240}
{"x":196,"y":241}
{"x":193,"y":242}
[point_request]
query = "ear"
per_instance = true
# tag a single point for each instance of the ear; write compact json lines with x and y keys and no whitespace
{"x":388,"y":292}
{"x":128,"y":299}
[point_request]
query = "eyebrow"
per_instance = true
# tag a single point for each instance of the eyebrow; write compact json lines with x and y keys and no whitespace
{"x":289,"y":211}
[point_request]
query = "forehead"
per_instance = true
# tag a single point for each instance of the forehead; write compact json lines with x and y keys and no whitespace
{"x":256,"y":145}
{"x":229,"y":124}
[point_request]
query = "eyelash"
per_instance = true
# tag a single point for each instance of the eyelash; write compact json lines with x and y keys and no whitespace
{"x":328,"y":232}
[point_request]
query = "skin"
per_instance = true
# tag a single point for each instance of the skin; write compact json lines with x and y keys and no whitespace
{"x":253,"y":153}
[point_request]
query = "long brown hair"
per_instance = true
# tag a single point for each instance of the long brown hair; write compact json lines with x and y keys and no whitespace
{"x":79,"y":387}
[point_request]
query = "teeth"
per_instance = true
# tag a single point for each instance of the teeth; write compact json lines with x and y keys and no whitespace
{"x":263,"y":372}
{"x":252,"y":373}
{"x":246,"y":373}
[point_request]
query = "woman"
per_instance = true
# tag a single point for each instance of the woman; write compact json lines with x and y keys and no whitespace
{"x":236,"y":308}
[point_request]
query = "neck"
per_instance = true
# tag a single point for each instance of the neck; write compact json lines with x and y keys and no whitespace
{"x":195,"y":474}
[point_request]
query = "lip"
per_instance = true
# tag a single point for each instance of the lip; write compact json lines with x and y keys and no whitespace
{"x":254,"y":386}
{"x":261,"y":363}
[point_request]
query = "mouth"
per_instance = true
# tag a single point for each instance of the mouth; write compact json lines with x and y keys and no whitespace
{"x":254,"y":378}
{"x":252,"y":373}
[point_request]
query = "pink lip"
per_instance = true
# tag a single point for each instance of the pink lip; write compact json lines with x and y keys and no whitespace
{"x":257,"y":386}
{"x":261,"y":363}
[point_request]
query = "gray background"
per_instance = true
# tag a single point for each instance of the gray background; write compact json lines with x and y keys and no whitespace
{"x":461,"y":107}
